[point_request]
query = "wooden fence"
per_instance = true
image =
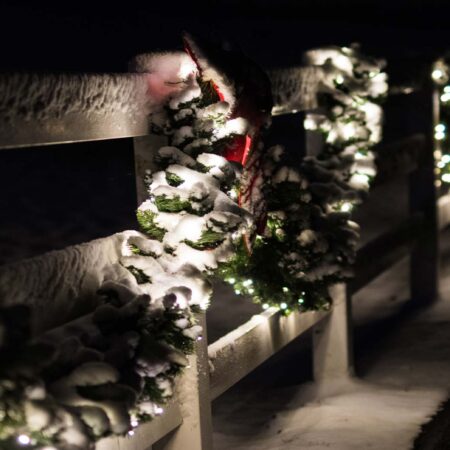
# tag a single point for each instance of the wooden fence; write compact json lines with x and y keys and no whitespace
{"x":40,"y":110}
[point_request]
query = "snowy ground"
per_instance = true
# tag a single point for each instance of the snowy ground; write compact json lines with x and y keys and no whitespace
{"x":403,"y":368}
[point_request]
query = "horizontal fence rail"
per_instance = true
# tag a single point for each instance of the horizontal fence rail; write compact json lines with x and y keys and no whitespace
{"x":49,"y":109}
{"x":39,"y":109}
{"x":295,"y":89}
{"x":148,"y":433}
{"x":239,"y":352}
{"x":44,"y":109}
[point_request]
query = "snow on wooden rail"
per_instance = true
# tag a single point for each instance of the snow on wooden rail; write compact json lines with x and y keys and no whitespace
{"x":48,"y":109}
{"x":59,"y":285}
{"x":42,"y":109}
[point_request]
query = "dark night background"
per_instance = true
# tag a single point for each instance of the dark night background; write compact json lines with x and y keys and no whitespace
{"x":60,"y":195}
{"x":101,"y":36}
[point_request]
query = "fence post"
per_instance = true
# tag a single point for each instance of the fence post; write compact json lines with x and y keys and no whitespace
{"x":195,"y":433}
{"x":424,"y":262}
{"x":192,"y":390}
{"x":332,"y":338}
{"x":332,"y":344}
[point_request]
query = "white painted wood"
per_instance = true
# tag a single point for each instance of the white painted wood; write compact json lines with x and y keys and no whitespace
{"x":444,"y":211}
{"x":59,"y":285}
{"x":146,"y":434}
{"x":295,"y":88}
{"x":43,"y":109}
{"x":239,"y":352}
{"x":192,"y":392}
{"x":332,"y":343}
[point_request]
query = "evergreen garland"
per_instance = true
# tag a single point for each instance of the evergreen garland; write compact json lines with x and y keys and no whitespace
{"x":309,"y":241}
{"x":108,"y":371}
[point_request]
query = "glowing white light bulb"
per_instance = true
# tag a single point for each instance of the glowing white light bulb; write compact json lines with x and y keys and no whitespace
{"x":437,"y":74}
{"x":439,"y":135}
{"x":233,"y":194}
{"x":23,"y":439}
{"x":361,"y":178}
{"x":446,"y":178}
{"x":247,"y":283}
{"x":134,"y":423}
{"x":309,"y":124}
{"x":346,"y":207}
{"x":445,"y":97}
{"x":251,"y":291}
{"x":300,"y":301}
{"x":339,"y":79}
{"x":445,"y":158}
{"x":265,"y":306}
{"x":237,"y":291}
{"x":283,"y":305}
{"x":231,"y":280}
{"x":440,"y":127}
{"x":285,"y":289}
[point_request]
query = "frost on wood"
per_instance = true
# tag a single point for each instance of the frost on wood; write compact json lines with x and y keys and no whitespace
{"x":45,"y":97}
{"x":294,"y":89}
{"x":61,"y":284}
{"x":40,"y":109}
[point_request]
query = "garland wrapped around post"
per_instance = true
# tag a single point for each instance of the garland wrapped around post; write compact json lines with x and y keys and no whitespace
{"x":440,"y":75}
{"x":309,"y":241}
{"x":106,"y":372}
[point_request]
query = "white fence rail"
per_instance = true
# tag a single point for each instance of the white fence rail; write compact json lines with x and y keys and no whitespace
{"x":116,"y":106}
{"x":60,"y":108}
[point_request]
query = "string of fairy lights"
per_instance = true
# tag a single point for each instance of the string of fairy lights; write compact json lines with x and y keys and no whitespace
{"x":441,"y":75}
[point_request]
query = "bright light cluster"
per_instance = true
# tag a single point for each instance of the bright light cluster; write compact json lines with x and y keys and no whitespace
{"x":354,"y":126}
{"x":440,"y":75}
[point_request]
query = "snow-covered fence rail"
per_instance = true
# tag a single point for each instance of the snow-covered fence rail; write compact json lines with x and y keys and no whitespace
{"x":241,"y":351}
{"x":50,"y":109}
{"x":41,"y":110}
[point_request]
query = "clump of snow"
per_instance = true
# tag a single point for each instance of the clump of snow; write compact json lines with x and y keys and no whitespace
{"x":306,"y":237}
{"x":167,"y":74}
{"x":175,"y":156}
{"x":286,"y":174}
